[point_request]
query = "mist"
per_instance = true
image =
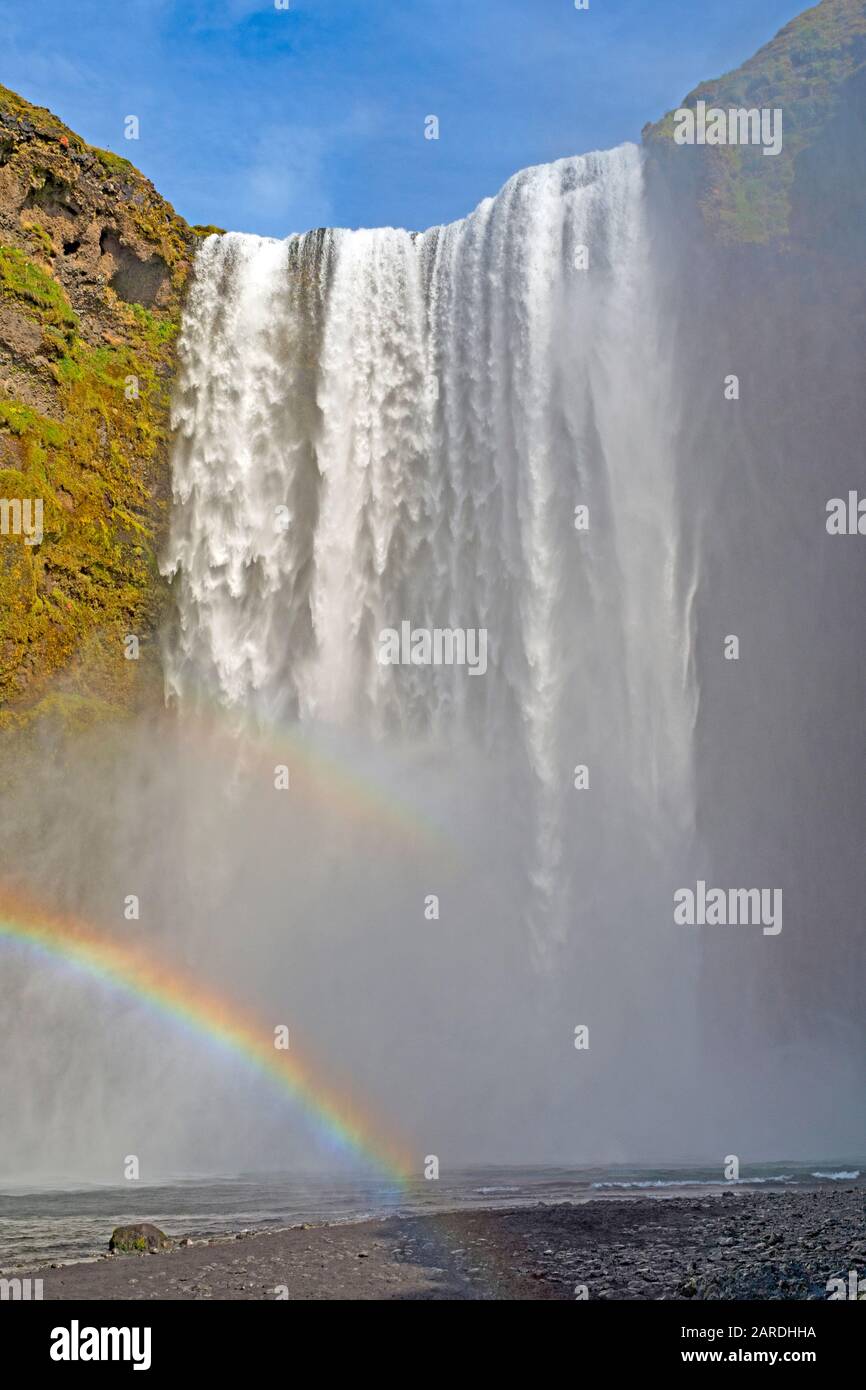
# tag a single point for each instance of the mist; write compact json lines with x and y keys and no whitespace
{"x":469,"y":429}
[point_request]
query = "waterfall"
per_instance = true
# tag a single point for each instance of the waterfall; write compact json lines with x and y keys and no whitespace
{"x":513,"y":425}
{"x":377,"y":427}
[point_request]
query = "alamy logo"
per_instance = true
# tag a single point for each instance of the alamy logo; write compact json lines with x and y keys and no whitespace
{"x":736,"y":126}
{"x":856,"y":1288}
{"x":76,"y":1343}
{"x":721,"y":907}
{"x":22,"y":518}
{"x":20,"y":1290}
{"x":438,"y":646}
{"x":846,"y":518}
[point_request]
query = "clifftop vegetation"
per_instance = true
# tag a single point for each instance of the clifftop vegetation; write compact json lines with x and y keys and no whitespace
{"x":814,"y":70}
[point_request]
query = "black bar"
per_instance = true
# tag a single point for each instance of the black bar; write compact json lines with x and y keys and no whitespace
{"x":238,"y":1337}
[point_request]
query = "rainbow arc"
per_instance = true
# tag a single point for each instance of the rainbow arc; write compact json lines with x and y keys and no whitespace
{"x":174,"y":995}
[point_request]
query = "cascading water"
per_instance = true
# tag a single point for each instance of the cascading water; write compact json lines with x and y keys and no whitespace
{"x":378,"y":427}
{"x":375,"y":429}
{"x":472,"y":429}
{"x":515,"y":425}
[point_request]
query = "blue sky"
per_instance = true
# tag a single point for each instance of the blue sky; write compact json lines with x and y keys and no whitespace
{"x":272,"y":121}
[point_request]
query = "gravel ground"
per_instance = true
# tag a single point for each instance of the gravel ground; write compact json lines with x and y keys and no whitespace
{"x":744,"y":1244}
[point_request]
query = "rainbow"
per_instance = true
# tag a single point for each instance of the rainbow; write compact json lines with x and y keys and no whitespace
{"x":168,"y":992}
{"x":352,"y":793}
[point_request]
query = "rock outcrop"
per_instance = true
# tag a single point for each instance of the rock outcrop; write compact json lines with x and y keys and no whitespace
{"x":814,"y":71}
{"x":93,"y":264}
{"x":138,"y":1239}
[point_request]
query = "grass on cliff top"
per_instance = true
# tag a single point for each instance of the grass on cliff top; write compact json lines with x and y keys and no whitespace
{"x":114,"y":163}
{"x":800,"y":69}
{"x":42,"y":120}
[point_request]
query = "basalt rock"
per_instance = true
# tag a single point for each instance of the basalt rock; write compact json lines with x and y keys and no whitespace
{"x":138,"y":1239}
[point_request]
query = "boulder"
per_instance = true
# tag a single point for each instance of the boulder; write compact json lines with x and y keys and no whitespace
{"x":137,"y":1239}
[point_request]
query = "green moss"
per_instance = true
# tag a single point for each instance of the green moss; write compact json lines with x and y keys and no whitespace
{"x":40,"y":236}
{"x":22,"y":279}
{"x":96,"y":574}
{"x":158,"y":330}
{"x":66,"y":370}
{"x":27,"y":423}
{"x":44,"y":121}
{"x":16,"y":417}
{"x":12,"y":482}
{"x":62,"y":712}
{"x":95,"y":450}
{"x":114,"y":163}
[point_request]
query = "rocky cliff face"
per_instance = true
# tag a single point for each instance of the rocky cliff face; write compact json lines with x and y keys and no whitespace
{"x":92,"y":268}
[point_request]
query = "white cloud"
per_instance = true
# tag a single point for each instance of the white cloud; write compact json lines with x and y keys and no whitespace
{"x":287,"y":180}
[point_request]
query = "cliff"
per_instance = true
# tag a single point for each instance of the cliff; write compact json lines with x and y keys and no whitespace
{"x":92,"y":268}
{"x":814,"y":70}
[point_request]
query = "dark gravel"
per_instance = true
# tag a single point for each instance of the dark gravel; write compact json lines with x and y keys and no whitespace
{"x":743,"y":1245}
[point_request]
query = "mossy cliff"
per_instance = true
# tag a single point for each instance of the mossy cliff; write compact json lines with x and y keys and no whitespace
{"x":814,"y":71}
{"x":92,"y":270}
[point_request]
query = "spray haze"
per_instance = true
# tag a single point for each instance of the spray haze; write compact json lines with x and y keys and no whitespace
{"x":488,"y":426}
